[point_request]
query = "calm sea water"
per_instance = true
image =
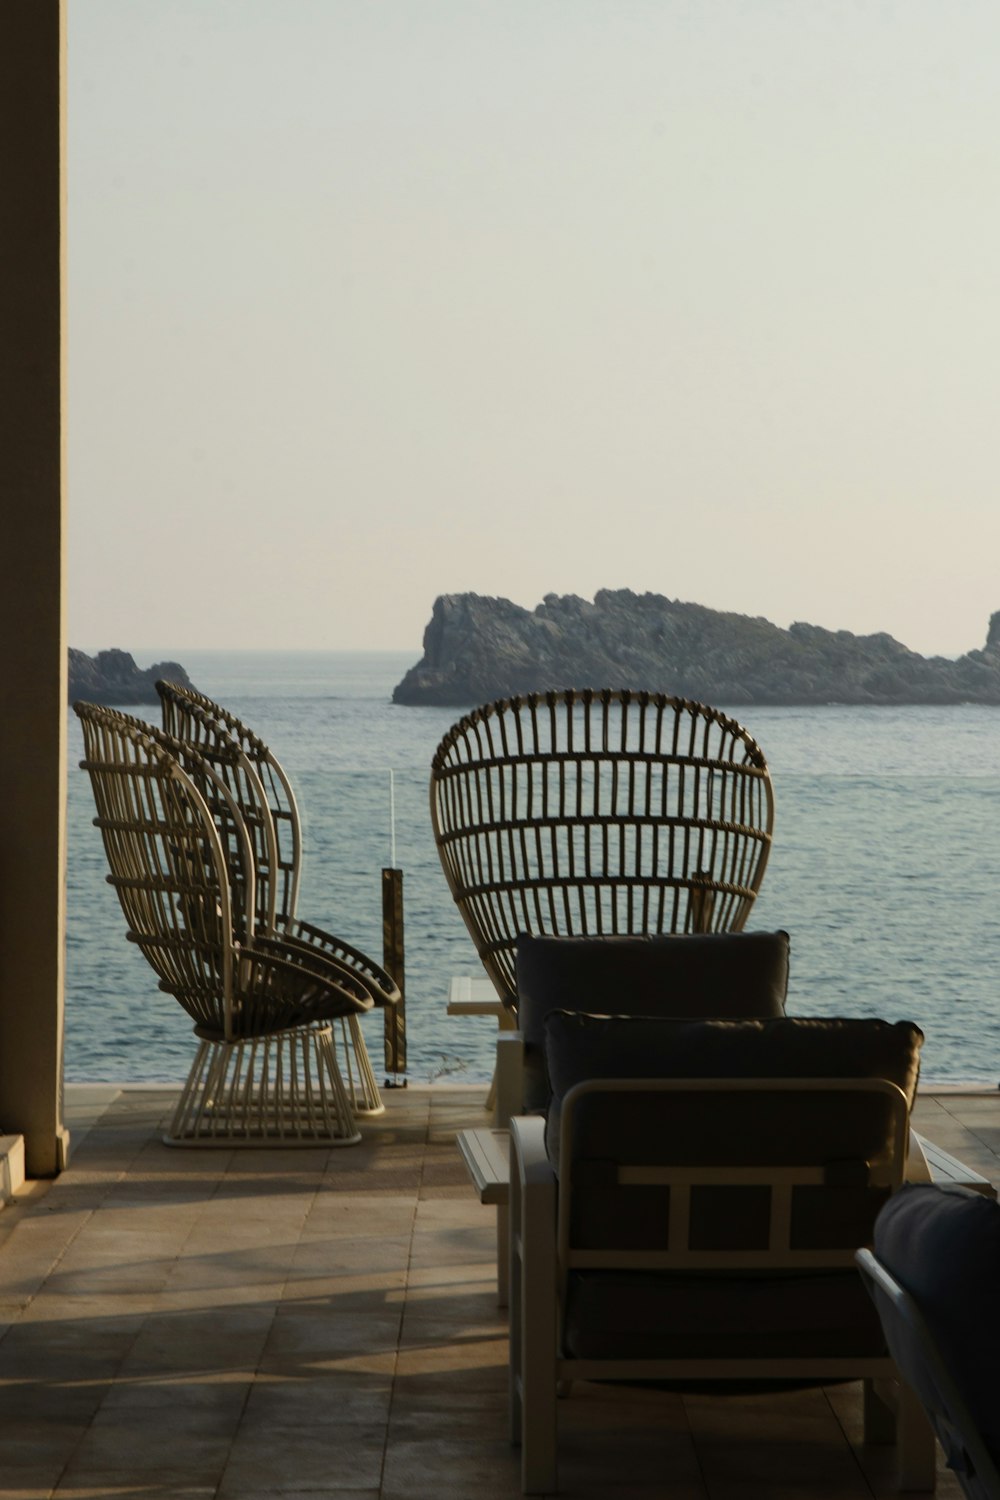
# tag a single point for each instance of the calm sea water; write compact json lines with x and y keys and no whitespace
{"x":885,"y":867}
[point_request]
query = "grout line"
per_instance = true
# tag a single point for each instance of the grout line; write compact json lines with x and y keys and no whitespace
{"x":404,"y":1306}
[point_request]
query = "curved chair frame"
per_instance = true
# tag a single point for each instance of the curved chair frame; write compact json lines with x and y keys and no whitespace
{"x":216,"y":733}
{"x":256,"y":780}
{"x":266,"y":1072}
{"x":598,"y":812}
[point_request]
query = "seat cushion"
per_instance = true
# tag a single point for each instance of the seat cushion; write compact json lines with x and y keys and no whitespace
{"x":942,"y":1244}
{"x":738,"y":974}
{"x":636,"y":1315}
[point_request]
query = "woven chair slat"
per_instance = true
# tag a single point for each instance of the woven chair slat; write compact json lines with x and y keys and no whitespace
{"x":506,"y":836}
{"x":257,"y":784}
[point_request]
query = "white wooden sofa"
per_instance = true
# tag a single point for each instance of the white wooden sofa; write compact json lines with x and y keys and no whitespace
{"x":690,"y":1210}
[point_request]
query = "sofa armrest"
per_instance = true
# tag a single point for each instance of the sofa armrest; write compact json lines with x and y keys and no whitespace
{"x":532,"y":1197}
{"x":533,"y":1312}
{"x":529,"y":1161}
{"x":917,"y":1167}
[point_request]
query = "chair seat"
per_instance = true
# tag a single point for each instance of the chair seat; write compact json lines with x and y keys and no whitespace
{"x":629,"y":1315}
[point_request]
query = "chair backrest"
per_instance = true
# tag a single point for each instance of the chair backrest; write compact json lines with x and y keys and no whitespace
{"x":173,"y":864}
{"x":934,"y":1275}
{"x":249,"y":775}
{"x":218,"y":773}
{"x":725,"y":1145}
{"x":739,"y":1206}
{"x":597,"y":813}
{"x":256,"y":780}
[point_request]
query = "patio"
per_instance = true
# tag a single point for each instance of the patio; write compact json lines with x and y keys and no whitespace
{"x":323,"y":1323}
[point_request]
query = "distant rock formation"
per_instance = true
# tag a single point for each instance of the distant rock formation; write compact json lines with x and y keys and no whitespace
{"x":112,"y":678}
{"x":477,"y":649}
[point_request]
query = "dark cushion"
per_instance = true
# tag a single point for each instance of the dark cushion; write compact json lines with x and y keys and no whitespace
{"x":678,"y":975}
{"x":582,"y":1047}
{"x":842,"y":1132}
{"x":645,"y":1315}
{"x":943,"y":1246}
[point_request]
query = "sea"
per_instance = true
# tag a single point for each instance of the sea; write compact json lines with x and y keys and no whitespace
{"x":885,"y":867}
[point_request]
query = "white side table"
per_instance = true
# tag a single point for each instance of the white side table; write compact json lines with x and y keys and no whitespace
{"x":474,"y":995}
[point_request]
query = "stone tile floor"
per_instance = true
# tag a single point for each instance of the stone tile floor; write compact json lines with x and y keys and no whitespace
{"x":318,"y":1323}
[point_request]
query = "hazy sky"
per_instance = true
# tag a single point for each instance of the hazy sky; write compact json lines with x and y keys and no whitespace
{"x":372,"y":301}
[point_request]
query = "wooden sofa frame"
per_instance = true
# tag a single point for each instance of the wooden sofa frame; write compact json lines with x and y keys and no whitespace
{"x":544,"y":1256}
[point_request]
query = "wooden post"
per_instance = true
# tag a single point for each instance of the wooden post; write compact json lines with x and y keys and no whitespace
{"x":393,"y":960}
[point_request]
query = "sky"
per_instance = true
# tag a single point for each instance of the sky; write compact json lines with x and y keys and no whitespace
{"x":372,"y":301}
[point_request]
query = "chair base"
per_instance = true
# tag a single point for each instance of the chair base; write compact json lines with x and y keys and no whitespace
{"x":356,"y":1067}
{"x":284,"y":1090}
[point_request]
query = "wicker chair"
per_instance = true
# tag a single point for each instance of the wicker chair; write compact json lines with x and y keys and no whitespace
{"x":257,"y":782}
{"x":598,"y":813}
{"x":266,"y":1071}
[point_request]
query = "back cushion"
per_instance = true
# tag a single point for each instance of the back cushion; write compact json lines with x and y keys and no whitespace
{"x":734,"y":1128}
{"x":731,"y":974}
{"x":842,"y":1131}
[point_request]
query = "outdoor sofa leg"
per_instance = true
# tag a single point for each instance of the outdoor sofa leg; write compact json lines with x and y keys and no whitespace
{"x":879,"y":1416}
{"x":893,"y":1414}
{"x":916,"y":1448}
{"x":533,"y":1308}
{"x":515,"y":1360}
{"x":503,"y":1254}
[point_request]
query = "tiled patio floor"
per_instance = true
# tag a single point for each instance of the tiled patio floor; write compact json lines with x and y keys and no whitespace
{"x":324,"y":1323}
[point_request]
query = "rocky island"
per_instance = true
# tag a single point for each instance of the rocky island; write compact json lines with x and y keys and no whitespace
{"x":477,"y":649}
{"x":112,"y":678}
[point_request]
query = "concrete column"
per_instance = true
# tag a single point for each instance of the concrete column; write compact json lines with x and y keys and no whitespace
{"x":32,"y":614}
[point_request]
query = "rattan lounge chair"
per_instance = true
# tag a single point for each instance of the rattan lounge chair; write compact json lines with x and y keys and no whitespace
{"x":598,"y":813}
{"x":266,"y":1071}
{"x":256,"y":780}
{"x":690,"y":1211}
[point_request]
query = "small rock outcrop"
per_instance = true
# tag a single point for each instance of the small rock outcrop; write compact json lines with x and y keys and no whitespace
{"x":112,"y":678}
{"x":477,"y":649}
